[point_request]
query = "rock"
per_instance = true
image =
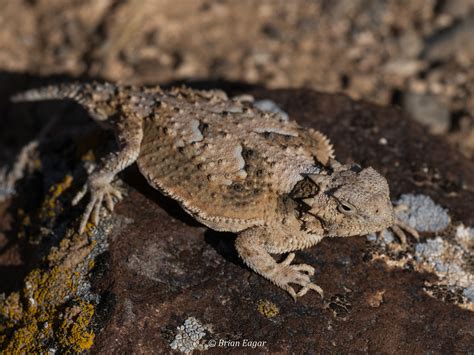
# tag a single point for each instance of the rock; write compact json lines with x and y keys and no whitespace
{"x":166,"y":283}
{"x":458,"y":8}
{"x":428,"y":110}
{"x":455,"y":42}
{"x":411,"y":44}
{"x":403,"y":67}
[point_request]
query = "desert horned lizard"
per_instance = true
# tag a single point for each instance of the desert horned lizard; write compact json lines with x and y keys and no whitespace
{"x":233,"y":168}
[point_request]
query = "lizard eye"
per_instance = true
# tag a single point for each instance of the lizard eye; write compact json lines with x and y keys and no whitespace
{"x":345,"y":207}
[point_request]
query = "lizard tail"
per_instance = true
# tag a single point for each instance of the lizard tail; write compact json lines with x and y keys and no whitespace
{"x":73,"y":91}
{"x":88,"y":95}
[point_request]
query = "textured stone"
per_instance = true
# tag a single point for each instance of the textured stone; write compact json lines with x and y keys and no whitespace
{"x":162,"y":267}
{"x":428,"y":110}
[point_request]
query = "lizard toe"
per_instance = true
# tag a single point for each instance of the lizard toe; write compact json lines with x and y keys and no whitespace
{"x":298,"y":274}
{"x":100,"y":195}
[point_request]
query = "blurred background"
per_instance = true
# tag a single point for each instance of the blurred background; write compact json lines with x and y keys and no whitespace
{"x":417,"y":54}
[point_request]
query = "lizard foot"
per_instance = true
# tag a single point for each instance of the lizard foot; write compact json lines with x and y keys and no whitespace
{"x":401,"y":229}
{"x":285,"y":274}
{"x":100,"y":192}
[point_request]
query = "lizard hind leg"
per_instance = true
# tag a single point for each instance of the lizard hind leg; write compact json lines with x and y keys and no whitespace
{"x":101,"y":102}
{"x":250,"y":245}
{"x":129,"y":134}
{"x":100,"y":192}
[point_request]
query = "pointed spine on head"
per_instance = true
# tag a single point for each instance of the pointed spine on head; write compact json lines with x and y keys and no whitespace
{"x":324,"y":150}
{"x":322,"y":181}
{"x":308,"y":201}
{"x":337,"y":166}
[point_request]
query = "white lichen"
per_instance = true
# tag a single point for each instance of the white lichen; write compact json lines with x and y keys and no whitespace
{"x":6,"y":189}
{"x":189,"y":336}
{"x":422,"y":213}
{"x":385,"y":238}
{"x":468,"y":292}
{"x":445,"y":256}
{"x":465,"y":237}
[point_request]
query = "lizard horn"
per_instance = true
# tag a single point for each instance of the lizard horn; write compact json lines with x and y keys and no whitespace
{"x":336,"y":166}
{"x":308,"y":201}
{"x":321,"y":180}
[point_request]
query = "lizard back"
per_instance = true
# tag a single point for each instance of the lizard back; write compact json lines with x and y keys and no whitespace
{"x":225,"y":159}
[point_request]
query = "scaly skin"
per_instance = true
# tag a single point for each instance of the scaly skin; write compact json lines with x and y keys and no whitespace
{"x":234,"y":168}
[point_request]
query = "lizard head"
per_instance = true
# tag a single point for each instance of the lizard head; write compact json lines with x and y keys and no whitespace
{"x":344,"y":201}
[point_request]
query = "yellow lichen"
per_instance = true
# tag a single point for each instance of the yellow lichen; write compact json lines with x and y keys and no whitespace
{"x":90,"y":227}
{"x":24,"y":224}
{"x":37,"y":164}
{"x":74,"y":327}
{"x":51,"y":310}
{"x":48,"y":310}
{"x":49,"y":207}
{"x":91,"y":264}
{"x":11,"y":308}
{"x":24,"y":340}
{"x":46,"y":289}
{"x":267,"y":308}
{"x":45,"y":292}
{"x":89,"y":156}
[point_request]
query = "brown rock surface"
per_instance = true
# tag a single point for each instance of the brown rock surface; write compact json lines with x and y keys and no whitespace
{"x":163,"y":268}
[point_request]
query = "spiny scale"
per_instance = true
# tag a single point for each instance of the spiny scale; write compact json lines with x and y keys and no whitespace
{"x":224,"y":159}
{"x":234,"y":168}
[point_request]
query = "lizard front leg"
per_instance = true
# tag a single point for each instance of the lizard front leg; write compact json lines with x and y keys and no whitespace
{"x":129,"y":134}
{"x":400,"y":228}
{"x":252,"y":246}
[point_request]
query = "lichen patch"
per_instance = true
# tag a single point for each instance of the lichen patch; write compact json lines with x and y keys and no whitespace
{"x":446,"y":252}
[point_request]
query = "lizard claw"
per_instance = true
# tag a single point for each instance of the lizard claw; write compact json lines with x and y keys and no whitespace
{"x":399,"y":228}
{"x":100,"y":193}
{"x":299,"y":274}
